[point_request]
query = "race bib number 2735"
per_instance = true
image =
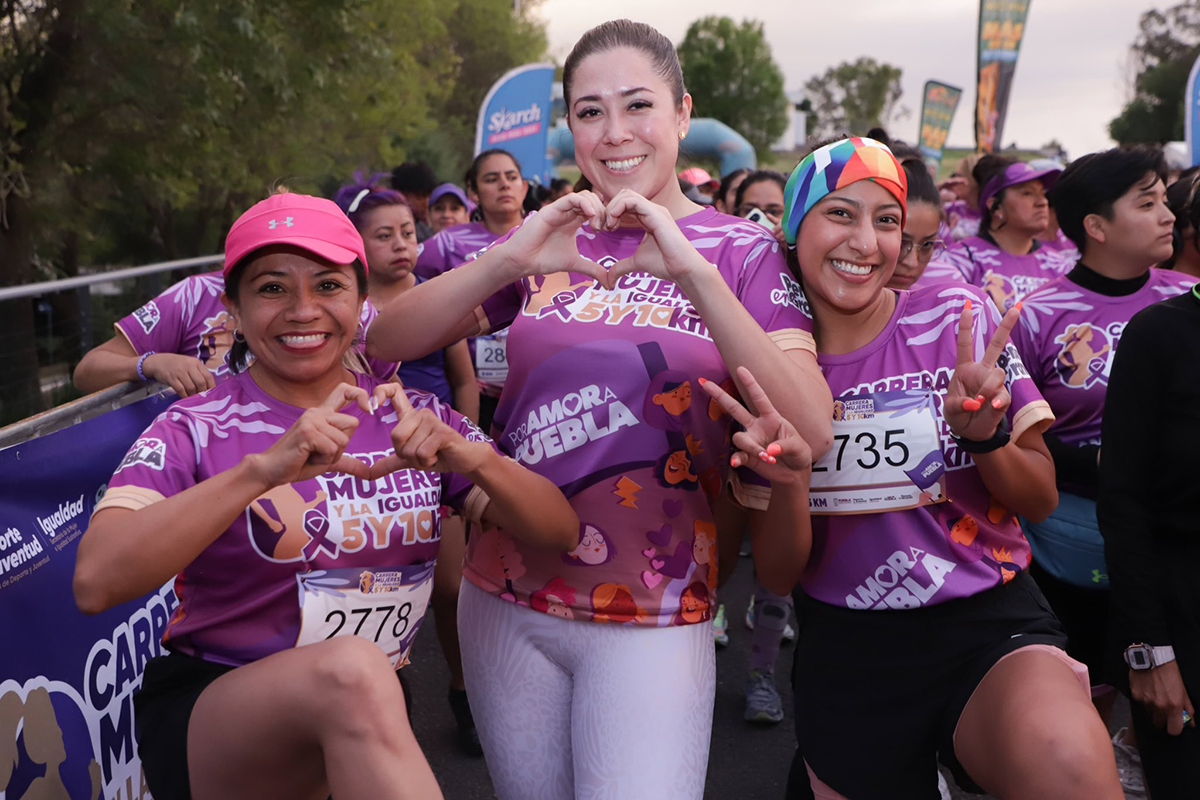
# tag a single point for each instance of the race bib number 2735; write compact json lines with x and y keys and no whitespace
{"x":886,"y":456}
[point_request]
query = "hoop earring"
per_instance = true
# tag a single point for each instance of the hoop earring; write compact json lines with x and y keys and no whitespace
{"x":237,"y":336}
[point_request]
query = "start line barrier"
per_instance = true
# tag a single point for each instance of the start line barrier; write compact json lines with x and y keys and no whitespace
{"x":67,"y":680}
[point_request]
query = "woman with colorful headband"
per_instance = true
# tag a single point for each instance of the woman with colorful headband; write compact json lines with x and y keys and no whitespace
{"x":594,"y":674}
{"x":295,"y":505}
{"x":922,"y":637}
{"x":1006,"y":258}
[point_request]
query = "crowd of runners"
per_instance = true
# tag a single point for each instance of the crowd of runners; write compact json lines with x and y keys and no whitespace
{"x":555,"y":432}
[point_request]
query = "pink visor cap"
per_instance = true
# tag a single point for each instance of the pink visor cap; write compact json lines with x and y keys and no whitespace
{"x":310,"y":223}
{"x":699,"y":177}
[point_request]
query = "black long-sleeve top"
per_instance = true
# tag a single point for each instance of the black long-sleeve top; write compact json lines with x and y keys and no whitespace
{"x":1149,"y":501}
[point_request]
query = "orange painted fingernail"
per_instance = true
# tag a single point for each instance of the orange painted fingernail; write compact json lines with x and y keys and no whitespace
{"x":771,"y":459}
{"x":968,"y":304}
{"x":971,"y":404}
{"x":733,"y":461}
{"x":997,"y":403}
{"x":774,"y":449}
{"x":980,"y":398}
{"x":1019,"y":305}
{"x":702,"y":381}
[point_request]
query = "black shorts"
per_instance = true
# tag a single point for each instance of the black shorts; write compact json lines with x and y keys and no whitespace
{"x":1084,"y":616}
{"x":879,"y":693}
{"x":171,"y":685}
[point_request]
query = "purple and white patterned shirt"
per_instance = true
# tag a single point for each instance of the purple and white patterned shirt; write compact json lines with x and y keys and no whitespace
{"x":238,"y":598}
{"x":1068,"y":337}
{"x":964,"y":544}
{"x":1004,"y":276}
{"x":602,"y":398}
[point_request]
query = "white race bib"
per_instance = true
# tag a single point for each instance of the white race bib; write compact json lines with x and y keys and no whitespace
{"x":886,"y":455}
{"x":384,"y":605}
{"x":491,"y":359}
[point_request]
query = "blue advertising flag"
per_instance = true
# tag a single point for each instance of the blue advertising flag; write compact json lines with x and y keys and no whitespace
{"x":1192,"y":120}
{"x":63,"y":674}
{"x":515,"y":116}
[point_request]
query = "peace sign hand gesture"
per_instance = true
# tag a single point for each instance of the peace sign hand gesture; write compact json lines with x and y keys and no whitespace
{"x":976,"y":399}
{"x":770,"y":445}
{"x":422,"y":441}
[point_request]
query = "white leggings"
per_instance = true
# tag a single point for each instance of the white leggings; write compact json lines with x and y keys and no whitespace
{"x":569,"y":709}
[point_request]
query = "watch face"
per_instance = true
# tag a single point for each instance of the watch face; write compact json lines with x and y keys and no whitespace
{"x":1139,"y":658}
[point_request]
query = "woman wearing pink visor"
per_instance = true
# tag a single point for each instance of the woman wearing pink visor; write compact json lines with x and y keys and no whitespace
{"x":1005,"y":258}
{"x":295,"y":504}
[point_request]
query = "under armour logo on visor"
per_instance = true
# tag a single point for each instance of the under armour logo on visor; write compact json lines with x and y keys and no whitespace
{"x":273,"y":224}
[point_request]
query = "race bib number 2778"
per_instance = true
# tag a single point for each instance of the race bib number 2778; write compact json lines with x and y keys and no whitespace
{"x":384,"y":605}
{"x":886,"y":456}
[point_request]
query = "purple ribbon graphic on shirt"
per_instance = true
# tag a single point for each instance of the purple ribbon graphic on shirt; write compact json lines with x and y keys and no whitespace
{"x":559,"y":305}
{"x":316,"y":524}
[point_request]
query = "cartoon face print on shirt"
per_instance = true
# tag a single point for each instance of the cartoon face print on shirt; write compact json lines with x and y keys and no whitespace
{"x":555,"y":598}
{"x":613,"y":602}
{"x":594,"y":548}
{"x":675,"y":470}
{"x":693,"y":604}
{"x":1083,"y":361}
{"x":675,"y":399}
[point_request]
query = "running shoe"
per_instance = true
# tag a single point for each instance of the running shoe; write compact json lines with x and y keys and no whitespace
{"x":720,"y":627}
{"x":467,"y":736}
{"x":1129,"y":764}
{"x":762,"y":699}
{"x":789,"y":633}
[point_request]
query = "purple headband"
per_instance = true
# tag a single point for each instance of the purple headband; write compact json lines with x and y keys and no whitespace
{"x":1013,"y":174}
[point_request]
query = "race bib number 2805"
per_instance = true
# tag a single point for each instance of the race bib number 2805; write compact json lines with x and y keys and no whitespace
{"x":886,"y":456}
{"x":384,"y":605}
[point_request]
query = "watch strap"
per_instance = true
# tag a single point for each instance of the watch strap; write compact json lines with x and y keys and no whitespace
{"x":1162,"y":655}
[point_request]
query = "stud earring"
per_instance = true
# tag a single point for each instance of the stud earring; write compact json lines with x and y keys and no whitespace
{"x":681,"y":135}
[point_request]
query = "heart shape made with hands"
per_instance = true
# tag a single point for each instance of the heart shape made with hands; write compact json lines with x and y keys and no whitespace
{"x":664,"y":243}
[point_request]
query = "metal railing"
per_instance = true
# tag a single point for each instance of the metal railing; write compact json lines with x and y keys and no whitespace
{"x":62,"y":285}
{"x":68,"y":414}
{"x":51,"y":325}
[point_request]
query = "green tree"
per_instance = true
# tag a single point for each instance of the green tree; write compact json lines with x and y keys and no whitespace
{"x":134,"y":132}
{"x":732,"y":77}
{"x":1167,"y":45}
{"x":854,"y":97}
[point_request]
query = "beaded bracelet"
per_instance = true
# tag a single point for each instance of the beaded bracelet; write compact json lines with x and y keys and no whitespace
{"x":141,"y":363}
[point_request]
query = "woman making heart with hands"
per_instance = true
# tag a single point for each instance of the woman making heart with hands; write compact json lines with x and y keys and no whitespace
{"x":616,"y":302}
{"x":295,"y":504}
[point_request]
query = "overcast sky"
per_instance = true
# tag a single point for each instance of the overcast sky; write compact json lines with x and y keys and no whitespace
{"x":1073,"y":75}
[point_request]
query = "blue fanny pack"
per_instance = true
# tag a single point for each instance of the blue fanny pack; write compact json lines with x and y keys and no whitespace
{"x":1068,"y":545}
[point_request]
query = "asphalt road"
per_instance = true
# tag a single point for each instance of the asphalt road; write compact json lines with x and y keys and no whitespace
{"x":746,"y":762}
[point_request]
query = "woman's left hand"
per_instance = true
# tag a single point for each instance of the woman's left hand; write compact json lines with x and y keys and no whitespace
{"x":976,"y":399}
{"x":664,"y":253}
{"x":422,"y":441}
{"x":770,"y":445}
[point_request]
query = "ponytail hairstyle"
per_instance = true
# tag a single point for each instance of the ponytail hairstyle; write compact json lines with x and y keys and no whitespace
{"x":988,"y":167}
{"x":619,"y":33}
{"x":363,"y":195}
{"x":921,"y":188}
